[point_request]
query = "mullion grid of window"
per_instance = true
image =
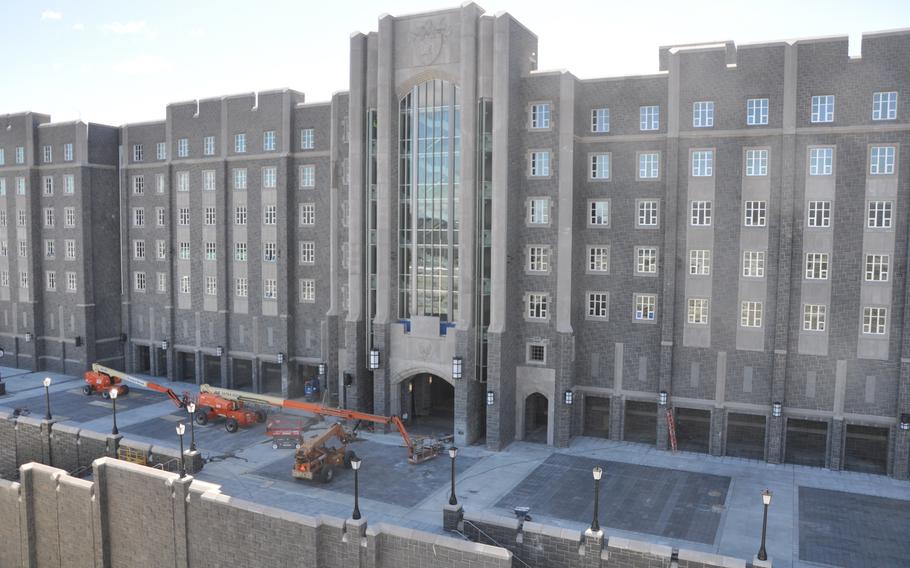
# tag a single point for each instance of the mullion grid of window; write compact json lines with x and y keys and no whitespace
{"x":819,"y":214}
{"x":598,"y":305}
{"x":756,"y":163}
{"x":874,"y":320}
{"x":600,"y":213}
{"x":538,"y":259}
{"x":814,"y":316}
{"x":647,"y":213}
{"x":540,"y":163}
{"x":753,"y":264}
{"x":884,"y":105}
{"x":881,"y":160}
{"x":879,"y":215}
{"x":701,"y":213}
{"x":703,"y":114}
{"x":751,"y":314}
{"x":537,"y":306}
{"x":822,"y":108}
{"x":755,"y":213}
{"x":539,"y":211}
{"x":600,"y":166}
{"x":598,"y":259}
{"x":699,"y":262}
{"x":648,"y":165}
{"x":540,"y":116}
{"x":756,"y":112}
{"x":600,"y":120}
{"x":703,"y":163}
{"x":698,"y":311}
{"x":816,"y":266}
{"x":645,"y":307}
{"x":877,"y":267}
{"x":646,"y":260}
{"x":821,"y":161}
{"x":649,"y":117}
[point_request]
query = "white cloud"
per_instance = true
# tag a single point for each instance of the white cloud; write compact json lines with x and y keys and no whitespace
{"x":51,"y":15}
{"x":78,"y":27}
{"x":143,"y":65}
{"x":131,"y":27}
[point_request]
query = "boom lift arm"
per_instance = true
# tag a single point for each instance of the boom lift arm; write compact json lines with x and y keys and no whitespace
{"x":181,"y":402}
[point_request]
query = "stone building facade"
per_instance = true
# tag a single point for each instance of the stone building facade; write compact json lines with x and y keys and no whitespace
{"x":712,"y":257}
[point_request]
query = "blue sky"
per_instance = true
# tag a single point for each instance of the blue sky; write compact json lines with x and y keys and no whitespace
{"x":116,"y":61}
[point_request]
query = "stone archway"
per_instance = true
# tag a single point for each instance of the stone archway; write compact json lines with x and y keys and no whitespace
{"x":427,"y":404}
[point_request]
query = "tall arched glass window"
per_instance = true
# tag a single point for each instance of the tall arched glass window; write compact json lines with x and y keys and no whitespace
{"x":429,"y":166}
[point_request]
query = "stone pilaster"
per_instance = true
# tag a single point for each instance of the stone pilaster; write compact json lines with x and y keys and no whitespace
{"x":718,"y":420}
{"x":836,"y":444}
{"x":775,"y":452}
{"x":452,"y":517}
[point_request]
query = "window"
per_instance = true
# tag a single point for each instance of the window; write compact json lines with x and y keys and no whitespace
{"x":241,"y":287}
{"x":817,"y":266}
{"x":240,"y":215}
{"x":648,"y":165}
{"x":140,"y":283}
{"x":600,"y":120}
{"x":240,"y":143}
{"x":240,"y":251}
{"x":881,"y":160}
{"x":756,"y":163}
{"x":307,"y":214}
{"x":70,"y":281}
{"x":536,"y":353}
{"x":183,"y":216}
{"x":69,"y":217}
{"x":208,"y":180}
{"x":599,"y":259}
{"x":211,"y":285}
{"x":161,"y":151}
{"x":270,"y":215}
{"x":137,"y":152}
{"x":20,"y":186}
{"x":23,"y":280}
{"x":184,"y":284}
{"x":538,"y":258}
{"x":879,"y":215}
{"x":69,"y":184}
{"x":69,"y":248}
{"x":699,"y":262}
{"x":884,"y":105}
{"x":3,"y":218}
{"x":646,"y":260}
{"x":822,"y":108}
{"x":269,"y":251}
{"x":50,"y":247}
{"x":750,"y":314}
{"x":23,"y":249}
{"x":703,"y":114}
{"x":138,"y":216}
{"x":540,"y":163}
{"x":645,"y":307}
{"x":48,"y":185}
{"x":874,"y":320}
{"x":138,"y":185}
{"x":183,"y":148}
{"x":240,"y":178}
{"x":2,"y":157}
{"x":183,"y":181}
{"x":819,"y":214}
{"x":698,"y":311}
{"x":540,"y":115}
{"x":307,"y":252}
{"x":161,"y":249}
{"x":539,"y":211}
{"x":4,"y":279}
{"x":4,"y":249}
{"x":184,"y":251}
{"x":269,"y":178}
{"x":703,"y":163}
{"x":139,"y":249}
{"x":48,"y":154}
{"x":756,"y":112}
{"x":648,"y":118}
{"x":268,"y":141}
{"x":211,"y":251}
{"x":877,"y":267}
{"x":48,"y":217}
{"x":20,"y":154}
{"x":600,"y":213}
{"x":647,"y":213}
{"x":307,"y":177}
{"x":307,"y":139}
{"x":162,"y":282}
{"x":159,"y":216}
{"x":598,"y":305}
{"x":754,"y":264}
{"x":68,"y":152}
{"x":538,"y":306}
{"x":270,"y":289}
{"x":701,"y":213}
{"x":307,"y":290}
{"x":2,"y":185}
{"x":821,"y":161}
{"x":755,"y":213}
{"x":600,"y":166}
{"x":50,"y":279}
{"x":22,"y":218}
{"x":210,"y":215}
{"x":208,"y":145}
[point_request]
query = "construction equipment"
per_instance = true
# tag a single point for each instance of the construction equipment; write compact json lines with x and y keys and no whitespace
{"x":285,"y":433}
{"x":315,"y":460}
{"x":104,"y":379}
{"x":419,"y":449}
{"x":211,"y":406}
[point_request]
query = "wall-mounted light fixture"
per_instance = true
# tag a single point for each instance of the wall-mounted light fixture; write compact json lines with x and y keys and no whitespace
{"x":457,"y":368}
{"x":662,"y":397}
{"x":373,"y":363}
{"x":491,"y":398}
{"x":569,"y":397}
{"x":776,"y":409}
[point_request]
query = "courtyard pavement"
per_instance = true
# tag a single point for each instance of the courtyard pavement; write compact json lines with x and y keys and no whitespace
{"x":686,"y":500}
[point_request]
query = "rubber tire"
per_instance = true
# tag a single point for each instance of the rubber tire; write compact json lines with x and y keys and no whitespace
{"x":348,"y":455}
{"x":274,"y":445}
{"x":87,"y":390}
{"x":124,"y":389}
{"x":231,"y":425}
{"x":297,"y":446}
{"x":202,"y":416}
{"x":105,"y":394}
{"x":327,"y":474}
{"x":260,"y":416}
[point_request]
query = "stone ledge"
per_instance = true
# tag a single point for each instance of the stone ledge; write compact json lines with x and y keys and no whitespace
{"x":640,"y":547}
{"x":710,"y":559}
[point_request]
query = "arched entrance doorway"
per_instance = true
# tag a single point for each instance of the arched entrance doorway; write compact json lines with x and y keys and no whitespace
{"x":428,"y":404}
{"x":536,"y":418}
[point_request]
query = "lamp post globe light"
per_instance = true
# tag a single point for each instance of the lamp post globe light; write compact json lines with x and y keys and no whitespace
{"x":597,"y":472}
{"x":113,"y":394}
{"x":191,"y":409}
{"x":766,"y":500}
{"x":47,"y":398}
{"x":355,"y":465}
{"x":453,"y":451}
{"x":181,"y":428}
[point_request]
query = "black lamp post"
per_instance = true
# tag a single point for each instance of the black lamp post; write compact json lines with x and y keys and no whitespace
{"x":766,"y":500}
{"x":113,"y":393}
{"x":355,"y":465}
{"x":598,"y":473}
{"x":181,"y":428}
{"x":2,"y":386}
{"x":47,"y":398}
{"x":453,"y":451}
{"x":191,"y":409}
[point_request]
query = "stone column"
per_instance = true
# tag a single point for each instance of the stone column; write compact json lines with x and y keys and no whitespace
{"x":775,"y":452}
{"x":718,"y":420}
{"x":199,"y":365}
{"x":381,"y":378}
{"x":256,"y":382}
{"x":617,"y":412}
{"x":593,"y":549}
{"x":452,"y":517}
{"x":836,"y":442}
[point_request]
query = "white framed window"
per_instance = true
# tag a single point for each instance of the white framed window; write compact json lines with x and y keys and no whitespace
{"x":69,"y":184}
{"x":540,"y":163}
{"x":307,"y":214}
{"x":241,"y":287}
{"x":538,"y":306}
{"x":20,"y":185}
{"x":600,"y":120}
{"x":21,"y":218}
{"x":184,"y":284}
{"x":48,"y":154}
{"x":270,"y":289}
{"x":822,"y":108}
{"x":183,"y":148}
{"x":183,"y":250}
{"x":821,"y":161}
{"x":307,"y":252}
{"x":754,"y":264}
{"x":879,"y":215}
{"x":599,"y":305}
{"x":648,"y":213}
{"x":648,"y":165}
{"x":599,"y":213}
{"x":69,"y":217}
{"x":48,"y":217}
{"x":20,"y":154}
{"x":4,"y":278}
{"x":884,"y":105}
{"x":69,"y":249}
{"x":703,"y":114}
{"x":700,"y":213}
{"x":2,"y":186}
{"x":881,"y":160}
{"x":307,"y":177}
{"x":756,"y":112}
{"x":137,"y":152}
{"x":68,"y":152}
{"x":140,"y":281}
{"x":161,"y":249}
{"x":4,"y":249}
{"x":268,"y":141}
{"x":210,"y":216}
{"x":208,"y":146}
{"x":645,"y":307}
{"x":702,"y":163}
{"x":183,"y":181}
{"x":818,"y":214}
{"x":161,"y":151}
{"x":160,"y":216}
{"x":208,"y":180}
{"x":307,"y":290}
{"x":598,"y":258}
{"x":240,"y":215}
{"x":183,"y":216}
{"x":138,"y":185}
{"x":23,"y":279}
{"x":539,"y":211}
{"x":750,"y":314}
{"x":162,"y":282}
{"x":755,"y":213}
{"x":646,"y":260}
{"x":538,"y":258}
{"x":50,"y":248}
{"x":240,"y":251}
{"x":270,"y":251}
{"x":649,"y":117}
{"x":211,"y":251}
{"x":139,"y":249}
{"x":816,"y":266}
{"x":269,"y":178}
{"x":50,"y":281}
{"x":211,"y":285}
{"x":239,"y":178}
{"x":600,"y":166}
{"x":756,"y":162}
{"x":698,"y":311}
{"x":540,"y":116}
{"x":2,"y":157}
{"x":699,"y":262}
{"x":23,"y":248}
{"x":307,"y":139}
{"x":877,"y":267}
{"x":536,"y":353}
{"x":48,"y":185}
{"x":875,"y":320}
{"x":138,"y":216}
{"x":3,"y":221}
{"x":270,"y":215}
{"x":71,"y":284}
{"x":240,"y":143}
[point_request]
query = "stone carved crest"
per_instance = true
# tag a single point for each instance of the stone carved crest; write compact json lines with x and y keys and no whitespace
{"x":424,"y":350}
{"x":427,"y":40}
